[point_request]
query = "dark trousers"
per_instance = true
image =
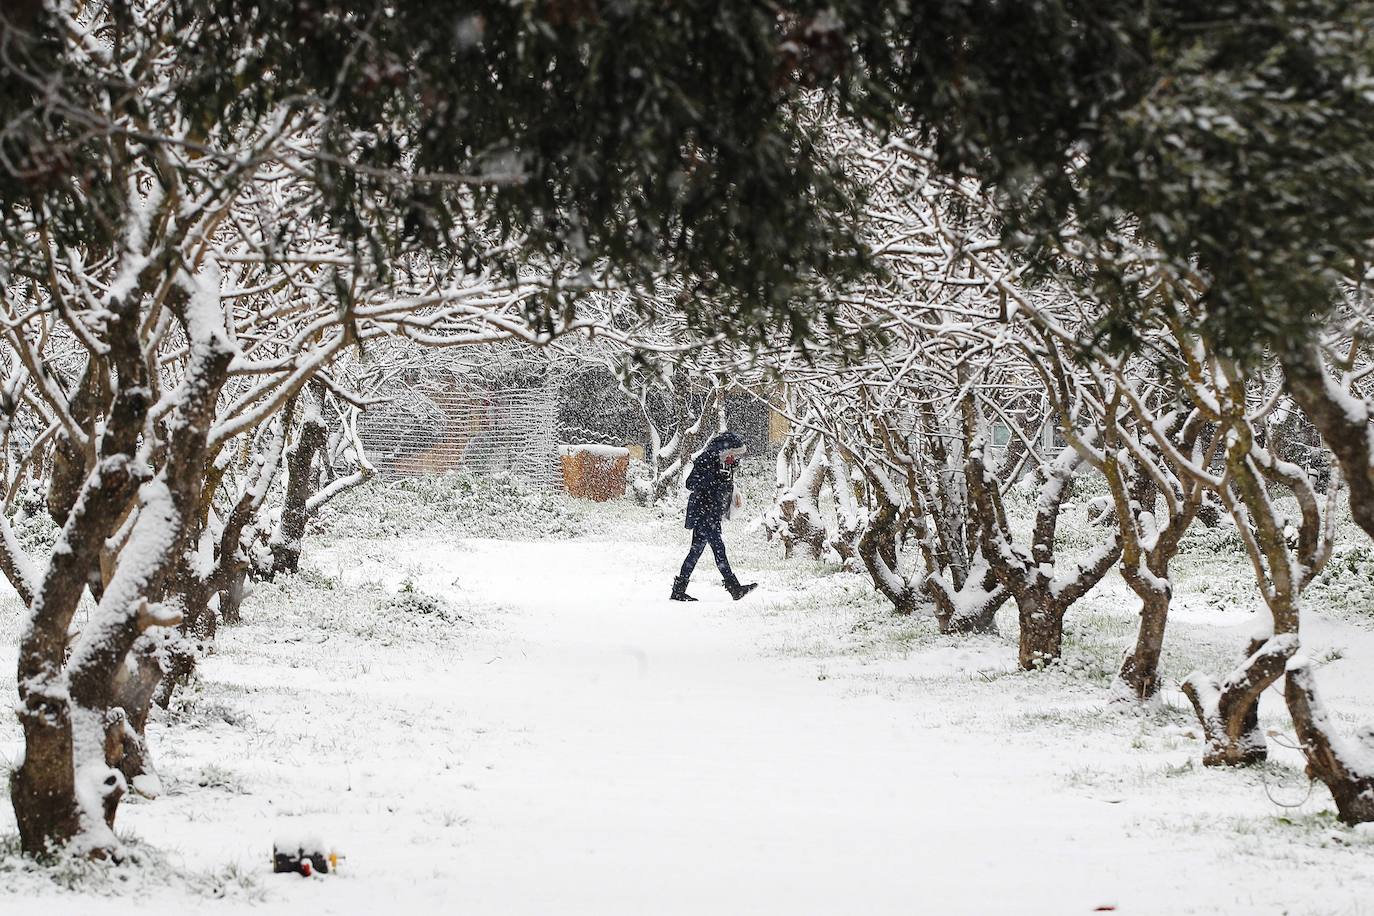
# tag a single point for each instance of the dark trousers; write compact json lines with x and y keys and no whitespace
{"x":700,"y":538}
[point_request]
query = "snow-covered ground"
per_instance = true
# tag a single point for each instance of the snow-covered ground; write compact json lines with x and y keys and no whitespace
{"x":529,"y":726}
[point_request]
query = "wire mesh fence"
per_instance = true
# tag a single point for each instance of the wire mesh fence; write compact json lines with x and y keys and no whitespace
{"x":435,"y":430}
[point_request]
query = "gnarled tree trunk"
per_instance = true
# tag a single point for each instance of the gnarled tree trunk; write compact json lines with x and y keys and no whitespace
{"x":877,"y":550}
{"x":44,"y":787}
{"x":286,"y":547}
{"x":1042,"y":597}
{"x":68,"y":787}
{"x":797,"y":517}
{"x":135,"y":684}
{"x":1139,"y":672}
{"x":1346,"y":767}
{"x":971,"y":608}
{"x":1229,"y":710}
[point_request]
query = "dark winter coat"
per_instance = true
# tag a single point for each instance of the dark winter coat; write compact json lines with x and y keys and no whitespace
{"x":711,"y":483}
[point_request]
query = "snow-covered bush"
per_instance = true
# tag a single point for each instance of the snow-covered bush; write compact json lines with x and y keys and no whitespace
{"x":459,"y":504}
{"x":1221,"y":539}
{"x":1347,"y":582}
{"x":412,"y":601}
{"x":35,"y":530}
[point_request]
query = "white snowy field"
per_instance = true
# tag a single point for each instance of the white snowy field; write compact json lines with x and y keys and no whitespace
{"x":529,"y":726}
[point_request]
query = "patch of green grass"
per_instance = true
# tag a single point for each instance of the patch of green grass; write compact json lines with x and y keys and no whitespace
{"x":1059,"y":717}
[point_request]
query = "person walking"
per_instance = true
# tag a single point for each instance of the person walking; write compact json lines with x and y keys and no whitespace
{"x":712,"y":496}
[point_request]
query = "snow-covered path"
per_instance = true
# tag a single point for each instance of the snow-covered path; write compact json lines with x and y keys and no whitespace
{"x":589,"y":747}
{"x":664,"y":765}
{"x":668,"y":767}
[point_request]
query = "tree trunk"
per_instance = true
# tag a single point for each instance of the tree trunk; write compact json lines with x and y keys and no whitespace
{"x":965,"y":624}
{"x":1344,"y":428}
{"x":199,"y":623}
{"x":849,"y":527}
{"x":135,"y":686}
{"x":1348,"y":771}
{"x":69,"y":466}
{"x":286,"y":549}
{"x":43,"y":787}
{"x":978,"y":616}
{"x":1229,"y":711}
{"x":48,"y":807}
{"x":179,"y":663}
{"x":971,"y":609}
{"x":69,"y":785}
{"x":231,"y":599}
{"x":1139,"y":674}
{"x":1042,"y":631}
{"x":877,"y":550}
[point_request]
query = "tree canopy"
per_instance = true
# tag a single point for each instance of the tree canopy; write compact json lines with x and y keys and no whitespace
{"x":643,"y":139}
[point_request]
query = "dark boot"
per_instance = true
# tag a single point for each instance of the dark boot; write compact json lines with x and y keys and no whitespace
{"x":738,"y":591}
{"x":680,"y":590}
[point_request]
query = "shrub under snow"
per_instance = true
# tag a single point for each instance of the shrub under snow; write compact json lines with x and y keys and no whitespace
{"x":462,"y":504}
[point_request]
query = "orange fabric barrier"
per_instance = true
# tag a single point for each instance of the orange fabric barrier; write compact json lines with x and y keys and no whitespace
{"x":595,"y":472}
